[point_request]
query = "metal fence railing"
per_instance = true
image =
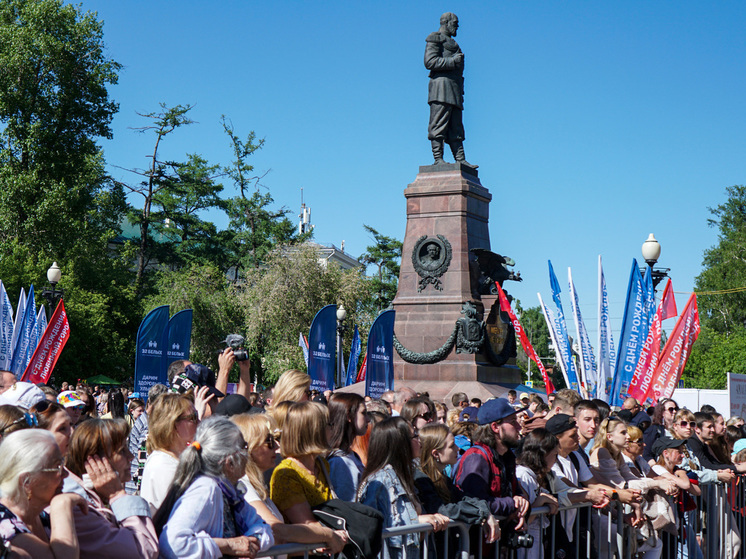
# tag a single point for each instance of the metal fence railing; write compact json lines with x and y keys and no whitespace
{"x":712,"y":530}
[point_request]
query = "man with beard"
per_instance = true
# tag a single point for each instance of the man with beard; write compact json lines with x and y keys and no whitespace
{"x":487,"y":470}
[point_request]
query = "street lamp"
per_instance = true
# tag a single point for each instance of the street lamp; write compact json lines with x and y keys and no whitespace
{"x":53,"y":295}
{"x":341,"y":327}
{"x":651,"y":251}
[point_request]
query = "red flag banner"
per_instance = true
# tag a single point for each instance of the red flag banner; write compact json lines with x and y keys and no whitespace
{"x":363,"y":368}
{"x":641,"y":383}
{"x":42,"y":363}
{"x":676,"y":352}
{"x":527,"y":347}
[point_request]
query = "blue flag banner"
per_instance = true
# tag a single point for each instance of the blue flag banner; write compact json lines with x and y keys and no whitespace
{"x":177,"y":339}
{"x":27,"y":327}
{"x":41,"y":322}
{"x":149,"y":356}
{"x":17,"y":323}
{"x":34,"y":335}
{"x":6,"y":329}
{"x":354,"y":356}
{"x":563,"y":342}
{"x":647,"y":282}
{"x":634,"y":333}
{"x":552,"y":327}
{"x":322,"y":353}
{"x":379,"y":374}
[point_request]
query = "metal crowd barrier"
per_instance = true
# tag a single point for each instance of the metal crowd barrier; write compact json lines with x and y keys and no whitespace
{"x":713,"y":530}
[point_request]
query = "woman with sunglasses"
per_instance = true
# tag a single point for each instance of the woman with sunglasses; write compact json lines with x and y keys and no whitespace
{"x":347,"y":420}
{"x":117,"y":525}
{"x":682,"y":428}
{"x":418,"y":412}
{"x":263,"y":449}
{"x":632,"y":454}
{"x":663,"y":417}
{"x":388,"y":485}
{"x":203,"y":514}
{"x":172,"y":425}
{"x":54,"y":418}
{"x":31,"y":475}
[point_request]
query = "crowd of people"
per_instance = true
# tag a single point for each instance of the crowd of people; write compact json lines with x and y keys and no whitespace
{"x":190,"y":471}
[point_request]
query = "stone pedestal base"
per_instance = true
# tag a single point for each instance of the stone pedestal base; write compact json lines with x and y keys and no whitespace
{"x":445,"y":202}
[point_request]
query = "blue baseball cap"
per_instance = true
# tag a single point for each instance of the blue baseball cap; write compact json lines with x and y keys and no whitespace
{"x":496,"y":410}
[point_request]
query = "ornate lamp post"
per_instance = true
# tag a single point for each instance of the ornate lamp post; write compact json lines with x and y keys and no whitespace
{"x":51,"y":293}
{"x":341,"y":327}
{"x":651,"y":251}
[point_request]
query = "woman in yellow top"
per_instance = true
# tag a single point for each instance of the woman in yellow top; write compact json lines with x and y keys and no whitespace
{"x":300,"y":481}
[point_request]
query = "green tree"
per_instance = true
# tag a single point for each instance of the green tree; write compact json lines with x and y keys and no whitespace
{"x":532,"y":320}
{"x":384,"y":256}
{"x":255,"y":228}
{"x":190,"y":191}
{"x":159,"y":175}
{"x":56,"y":202}
{"x":724,"y":267}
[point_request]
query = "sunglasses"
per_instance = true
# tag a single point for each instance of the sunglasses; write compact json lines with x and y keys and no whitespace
{"x":426,"y":416}
{"x":671,"y":410}
{"x":691,"y":424}
{"x":636,"y":441}
{"x":270,"y":442}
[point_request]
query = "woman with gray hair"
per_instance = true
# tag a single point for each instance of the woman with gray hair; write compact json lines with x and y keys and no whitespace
{"x":31,"y":474}
{"x":203,"y":514}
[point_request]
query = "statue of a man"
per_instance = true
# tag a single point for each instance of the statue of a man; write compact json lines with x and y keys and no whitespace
{"x":445,"y":94}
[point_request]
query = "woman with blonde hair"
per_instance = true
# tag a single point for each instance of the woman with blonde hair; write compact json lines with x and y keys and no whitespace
{"x":171,"y":427}
{"x":117,"y":524}
{"x":301,"y":480}
{"x":632,"y":454}
{"x":257,"y":431}
{"x":293,"y":385}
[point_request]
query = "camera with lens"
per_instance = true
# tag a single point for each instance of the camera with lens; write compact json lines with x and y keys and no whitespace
{"x":520,"y":539}
{"x":236,"y":343}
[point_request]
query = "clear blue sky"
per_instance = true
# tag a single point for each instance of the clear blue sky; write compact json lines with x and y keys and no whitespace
{"x":594,"y":124}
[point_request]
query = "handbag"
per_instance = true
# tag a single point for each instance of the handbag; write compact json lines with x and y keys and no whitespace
{"x":363,"y":524}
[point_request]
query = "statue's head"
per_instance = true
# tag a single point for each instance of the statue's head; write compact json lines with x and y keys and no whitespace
{"x":433,"y":251}
{"x":449,"y":21}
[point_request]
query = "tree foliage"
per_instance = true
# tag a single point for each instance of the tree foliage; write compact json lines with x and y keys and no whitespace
{"x":270,"y":307}
{"x":384,"y":256}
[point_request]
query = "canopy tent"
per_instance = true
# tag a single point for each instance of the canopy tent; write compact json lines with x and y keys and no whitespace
{"x":102,"y":379}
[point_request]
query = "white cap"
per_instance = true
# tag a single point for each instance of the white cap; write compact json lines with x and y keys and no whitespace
{"x":23,"y":394}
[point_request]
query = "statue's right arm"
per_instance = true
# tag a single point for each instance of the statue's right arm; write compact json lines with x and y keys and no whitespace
{"x":434,"y":59}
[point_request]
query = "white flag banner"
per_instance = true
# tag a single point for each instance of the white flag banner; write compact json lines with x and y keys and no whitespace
{"x":587,"y":360}
{"x":606,"y":353}
{"x":6,"y":329}
{"x":552,"y":326}
{"x":18,"y":322}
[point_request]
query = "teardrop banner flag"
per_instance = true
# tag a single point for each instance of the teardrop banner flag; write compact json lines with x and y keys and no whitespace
{"x":354,"y":356}
{"x":6,"y":329}
{"x":525,"y":342}
{"x":149,"y":357}
{"x":50,"y":347}
{"x":322,"y":352}
{"x":26,"y":335}
{"x":676,"y":352}
{"x":606,"y":354}
{"x":177,"y":339}
{"x":588,"y":378}
{"x":562,"y":340}
{"x":379,"y":374}
{"x":642,"y":381}
{"x":634,"y":333}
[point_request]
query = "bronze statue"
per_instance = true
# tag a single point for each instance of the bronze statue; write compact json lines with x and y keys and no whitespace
{"x":445,"y":93}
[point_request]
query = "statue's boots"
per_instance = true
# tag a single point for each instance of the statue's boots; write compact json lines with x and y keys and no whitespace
{"x":437,"y":146}
{"x":458,"y":153}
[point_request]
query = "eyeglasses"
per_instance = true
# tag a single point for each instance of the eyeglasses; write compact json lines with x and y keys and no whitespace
{"x":691,"y":424}
{"x":270,"y":442}
{"x":636,"y":441}
{"x":671,"y":410}
{"x":426,"y":416}
{"x":57,"y":469}
{"x":193,"y":417}
{"x":42,"y":406}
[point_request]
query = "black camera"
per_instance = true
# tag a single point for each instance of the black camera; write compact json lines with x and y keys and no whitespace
{"x":519,"y":539}
{"x":236,"y":343}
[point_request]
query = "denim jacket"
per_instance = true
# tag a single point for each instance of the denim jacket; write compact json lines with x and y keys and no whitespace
{"x":384,"y":491}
